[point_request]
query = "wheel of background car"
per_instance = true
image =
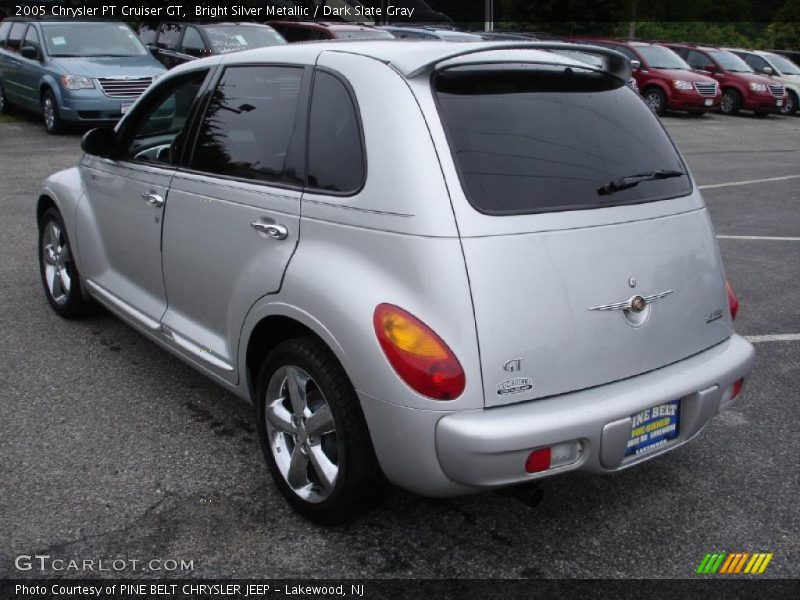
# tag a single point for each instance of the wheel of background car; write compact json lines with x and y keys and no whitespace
{"x":5,"y":108}
{"x":789,"y":107}
{"x":656,"y":100}
{"x":313,"y":434}
{"x":60,"y":277}
{"x":731,"y":102}
{"x":52,"y":120}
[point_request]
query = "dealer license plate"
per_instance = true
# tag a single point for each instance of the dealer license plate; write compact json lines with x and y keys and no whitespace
{"x":653,"y":428}
{"x":779,"y":103}
{"x":709,"y":102}
{"x":125,"y":107}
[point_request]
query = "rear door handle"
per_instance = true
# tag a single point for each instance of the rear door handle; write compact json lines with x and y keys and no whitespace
{"x":153,"y":199}
{"x":270,"y":228}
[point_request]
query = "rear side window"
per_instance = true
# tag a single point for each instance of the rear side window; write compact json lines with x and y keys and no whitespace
{"x":249,"y":125}
{"x":530,"y":140}
{"x":335,"y":150}
{"x":5,"y":27}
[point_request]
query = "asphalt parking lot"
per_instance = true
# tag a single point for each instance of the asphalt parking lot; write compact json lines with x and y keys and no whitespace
{"x":111,"y":448}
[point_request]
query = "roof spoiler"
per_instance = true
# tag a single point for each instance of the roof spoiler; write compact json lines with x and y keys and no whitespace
{"x":615,"y":63}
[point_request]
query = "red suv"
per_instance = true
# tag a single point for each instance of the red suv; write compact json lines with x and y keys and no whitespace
{"x":665,"y":81}
{"x":306,"y":31}
{"x":741,"y":88}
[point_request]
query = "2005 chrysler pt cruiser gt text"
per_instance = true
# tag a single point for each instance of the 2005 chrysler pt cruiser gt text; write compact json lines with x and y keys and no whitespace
{"x":452,"y":268}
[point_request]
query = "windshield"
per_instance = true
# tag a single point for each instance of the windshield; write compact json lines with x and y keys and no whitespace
{"x":234,"y":38}
{"x":658,"y":57}
{"x":547,"y":139}
{"x":730,"y":62}
{"x":783,"y":65}
{"x":91,"y":39}
{"x":364,"y":34}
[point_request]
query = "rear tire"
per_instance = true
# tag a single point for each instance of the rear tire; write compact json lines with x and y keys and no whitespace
{"x":59,"y":273}
{"x":313,"y":434}
{"x":656,"y":100}
{"x":52,"y":119}
{"x":731,"y":102}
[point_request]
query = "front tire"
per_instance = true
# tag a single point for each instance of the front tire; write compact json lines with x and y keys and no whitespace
{"x":52,"y":119}
{"x":5,"y":107}
{"x":731,"y":102}
{"x":656,"y":101}
{"x":790,"y":106}
{"x":313,"y":434}
{"x":60,"y":277}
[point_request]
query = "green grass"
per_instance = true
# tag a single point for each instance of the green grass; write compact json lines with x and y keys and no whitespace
{"x":9,"y":119}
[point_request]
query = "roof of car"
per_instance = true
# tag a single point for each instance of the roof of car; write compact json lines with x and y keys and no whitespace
{"x":410,"y":58}
{"x":324,"y":25}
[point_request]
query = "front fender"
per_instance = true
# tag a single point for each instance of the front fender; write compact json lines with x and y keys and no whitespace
{"x":64,"y":189}
{"x":49,"y":81}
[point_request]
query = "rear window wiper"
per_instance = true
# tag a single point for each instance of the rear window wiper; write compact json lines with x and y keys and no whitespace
{"x":624,"y":183}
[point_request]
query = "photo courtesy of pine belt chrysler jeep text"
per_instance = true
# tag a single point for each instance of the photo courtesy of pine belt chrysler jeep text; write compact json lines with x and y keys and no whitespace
{"x":454,"y":267}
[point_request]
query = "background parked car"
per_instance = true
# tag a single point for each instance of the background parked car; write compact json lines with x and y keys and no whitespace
{"x":741,"y":88}
{"x":305,"y":31}
{"x":665,"y":81}
{"x":176,"y":43}
{"x":87,"y":72}
{"x":594,"y":60}
{"x":504,"y":35}
{"x":777,"y":68}
{"x":444,"y":34}
{"x":792,"y":55}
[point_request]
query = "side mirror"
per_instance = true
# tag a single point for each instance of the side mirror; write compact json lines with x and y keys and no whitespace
{"x":99,"y":141}
{"x":710,"y":67}
{"x":636,"y":65}
{"x":29,"y":52}
{"x":767,"y":71}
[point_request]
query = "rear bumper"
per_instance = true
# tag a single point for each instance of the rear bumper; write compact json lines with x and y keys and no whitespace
{"x":451,"y":453}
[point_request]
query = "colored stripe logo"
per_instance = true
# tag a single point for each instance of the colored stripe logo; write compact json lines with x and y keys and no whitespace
{"x":734,"y":563}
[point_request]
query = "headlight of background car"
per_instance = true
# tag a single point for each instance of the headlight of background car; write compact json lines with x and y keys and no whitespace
{"x":758,"y":87}
{"x":681,"y":85}
{"x":76,"y":82}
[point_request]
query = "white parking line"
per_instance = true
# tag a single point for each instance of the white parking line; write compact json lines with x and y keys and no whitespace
{"x":758,"y":237}
{"x":746,"y":182}
{"x":780,"y":337}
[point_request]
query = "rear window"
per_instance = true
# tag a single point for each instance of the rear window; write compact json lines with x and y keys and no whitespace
{"x":540,"y":139}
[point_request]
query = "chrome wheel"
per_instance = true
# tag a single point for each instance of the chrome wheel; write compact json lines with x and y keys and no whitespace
{"x":49,"y":110}
{"x":2,"y":101}
{"x":653,"y":101}
{"x":301,"y":434}
{"x":788,"y":107}
{"x":57,"y":263}
{"x":727,"y":102}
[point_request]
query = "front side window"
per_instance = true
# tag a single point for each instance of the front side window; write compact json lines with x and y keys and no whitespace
{"x":193,"y":43}
{"x":169,"y":35}
{"x":730,"y":62}
{"x":755,"y":62}
{"x":147,"y":33}
{"x":249,"y":125}
{"x":155,"y":132}
{"x":552,"y":139}
{"x":335,"y":151}
{"x":698,"y":60}
{"x":91,"y":39}
{"x":658,"y":57}
{"x":785,"y":66}
{"x":32,"y":38}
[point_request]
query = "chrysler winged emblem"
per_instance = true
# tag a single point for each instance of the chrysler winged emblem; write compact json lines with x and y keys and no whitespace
{"x":635,"y":304}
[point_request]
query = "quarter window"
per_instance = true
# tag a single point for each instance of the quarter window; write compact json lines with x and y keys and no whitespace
{"x":335,"y":151}
{"x":157,"y":129}
{"x":249,"y":125}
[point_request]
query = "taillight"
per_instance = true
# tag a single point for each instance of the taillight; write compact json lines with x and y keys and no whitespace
{"x":417,"y":354}
{"x":733,"y":301}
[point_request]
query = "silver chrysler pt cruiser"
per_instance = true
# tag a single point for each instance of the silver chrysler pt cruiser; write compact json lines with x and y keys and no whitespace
{"x":452,"y":268}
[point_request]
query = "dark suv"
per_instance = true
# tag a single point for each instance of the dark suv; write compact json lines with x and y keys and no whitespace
{"x":176,"y":43}
{"x":664,"y":79}
{"x":304,"y":31}
{"x":741,"y":88}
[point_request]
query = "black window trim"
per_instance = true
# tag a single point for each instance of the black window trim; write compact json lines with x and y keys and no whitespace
{"x":540,"y":211}
{"x":303,"y":105}
{"x":123,"y":133}
{"x":362,"y":138}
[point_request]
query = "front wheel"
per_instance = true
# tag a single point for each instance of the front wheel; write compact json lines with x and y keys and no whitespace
{"x":731,"y":102}
{"x":313,"y":434}
{"x":656,"y":101}
{"x":60,"y":277}
{"x":5,"y":108}
{"x":790,"y":106}
{"x":52,"y":118}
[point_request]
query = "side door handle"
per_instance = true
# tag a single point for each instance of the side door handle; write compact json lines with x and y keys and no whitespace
{"x":270,"y":228}
{"x":153,"y":199}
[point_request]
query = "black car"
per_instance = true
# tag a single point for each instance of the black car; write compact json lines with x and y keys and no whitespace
{"x":175,"y":43}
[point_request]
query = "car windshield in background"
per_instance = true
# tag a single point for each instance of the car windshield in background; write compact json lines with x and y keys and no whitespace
{"x":530,"y":140}
{"x":364,"y":34}
{"x":658,"y":57}
{"x":91,"y":39}
{"x":784,"y":65}
{"x":234,"y":38}
{"x":730,"y":62}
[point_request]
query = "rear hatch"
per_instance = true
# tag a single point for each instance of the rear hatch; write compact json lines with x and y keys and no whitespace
{"x":590,"y":257}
